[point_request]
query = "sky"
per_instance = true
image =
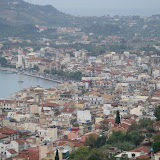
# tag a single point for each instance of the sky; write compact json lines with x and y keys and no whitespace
{"x":97,"y":4}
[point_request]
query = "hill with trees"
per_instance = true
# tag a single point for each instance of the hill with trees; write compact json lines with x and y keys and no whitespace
{"x":18,"y":12}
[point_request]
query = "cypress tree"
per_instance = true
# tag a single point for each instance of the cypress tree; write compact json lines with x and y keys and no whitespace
{"x":118,"y":120}
{"x":57,"y":155}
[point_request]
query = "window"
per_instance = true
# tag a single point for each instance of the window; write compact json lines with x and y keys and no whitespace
{"x":133,"y":155}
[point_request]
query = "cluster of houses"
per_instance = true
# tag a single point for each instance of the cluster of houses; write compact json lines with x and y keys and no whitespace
{"x":35,"y":122}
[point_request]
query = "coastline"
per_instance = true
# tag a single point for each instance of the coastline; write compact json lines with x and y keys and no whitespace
{"x":11,"y":71}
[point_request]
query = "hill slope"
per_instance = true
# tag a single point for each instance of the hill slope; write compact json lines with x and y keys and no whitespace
{"x":18,"y":12}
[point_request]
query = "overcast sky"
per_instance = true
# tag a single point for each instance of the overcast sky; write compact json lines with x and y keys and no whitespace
{"x":99,"y":3}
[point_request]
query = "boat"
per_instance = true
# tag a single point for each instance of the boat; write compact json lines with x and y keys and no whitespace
{"x":20,"y":81}
{"x":20,"y":78}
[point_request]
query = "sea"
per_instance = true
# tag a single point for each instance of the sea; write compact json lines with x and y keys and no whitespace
{"x":145,"y":12}
{"x":11,"y":83}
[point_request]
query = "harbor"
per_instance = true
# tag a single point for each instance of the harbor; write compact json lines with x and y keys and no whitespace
{"x":12,"y":81}
{"x":42,"y":76}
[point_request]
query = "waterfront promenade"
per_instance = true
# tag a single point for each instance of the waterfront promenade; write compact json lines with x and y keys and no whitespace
{"x":37,"y":75}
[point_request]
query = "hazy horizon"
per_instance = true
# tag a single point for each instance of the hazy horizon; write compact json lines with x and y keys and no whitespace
{"x":96,"y":4}
{"x":111,"y":12}
{"x":104,"y":7}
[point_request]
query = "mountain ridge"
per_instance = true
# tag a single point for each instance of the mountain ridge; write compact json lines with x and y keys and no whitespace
{"x":19,"y":12}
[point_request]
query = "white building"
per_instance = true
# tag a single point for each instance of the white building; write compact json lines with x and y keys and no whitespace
{"x":133,"y":154}
{"x":31,"y":62}
{"x":108,"y":109}
{"x":49,"y":134}
{"x":20,"y":62}
{"x":19,"y":145}
{"x":83,"y":116}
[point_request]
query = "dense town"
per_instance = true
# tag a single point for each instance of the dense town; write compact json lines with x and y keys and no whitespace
{"x":36,"y":122}
{"x":106,"y":105}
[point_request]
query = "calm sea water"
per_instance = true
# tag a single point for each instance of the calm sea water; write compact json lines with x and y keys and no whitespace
{"x":9,"y":83}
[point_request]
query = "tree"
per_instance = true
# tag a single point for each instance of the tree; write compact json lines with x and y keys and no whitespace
{"x":118,"y":120}
{"x":134,"y":126}
{"x":125,"y":146}
{"x":90,"y":141}
{"x":75,"y":125}
{"x":104,"y":126}
{"x":93,"y":157}
{"x":150,"y":129}
{"x":3,"y":62}
{"x":116,"y":137}
{"x":156,"y":146}
{"x":47,"y":71}
{"x":80,"y":153}
{"x":156,"y":137}
{"x":36,"y":68}
{"x":70,"y":75}
{"x":134,"y":137}
{"x":157,"y":113}
{"x":100,"y":141}
{"x":144,"y":123}
{"x":57,"y":155}
{"x":124,"y":158}
{"x":96,"y":154}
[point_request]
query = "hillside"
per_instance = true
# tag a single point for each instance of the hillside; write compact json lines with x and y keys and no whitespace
{"x":18,"y":12}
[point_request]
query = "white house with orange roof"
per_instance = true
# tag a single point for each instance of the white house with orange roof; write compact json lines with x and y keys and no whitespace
{"x":19,"y":145}
{"x":133,"y":154}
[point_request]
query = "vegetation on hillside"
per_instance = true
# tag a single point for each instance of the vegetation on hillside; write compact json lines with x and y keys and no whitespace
{"x":68,"y":75}
{"x":97,"y":148}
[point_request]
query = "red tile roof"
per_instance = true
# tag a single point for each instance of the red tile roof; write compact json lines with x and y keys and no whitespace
{"x":68,"y":110}
{"x":73,"y":135}
{"x":144,"y":157}
{"x":145,"y":149}
{"x":12,"y":151}
{"x":74,"y":128}
{"x":157,"y":124}
{"x":129,"y":121}
{"x":7,"y":131}
{"x":83,"y":138}
{"x":129,"y":116}
{"x":2,"y":116}
{"x":3,"y":136}
{"x":28,"y":154}
{"x":125,"y":125}
{"x":51,"y":152}
{"x":74,"y":143}
{"x":50,"y":105}
{"x":67,"y":104}
{"x":35,"y":149}
{"x":21,"y":141}
{"x":61,"y":143}
{"x":26,"y":157}
{"x":77,"y":144}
